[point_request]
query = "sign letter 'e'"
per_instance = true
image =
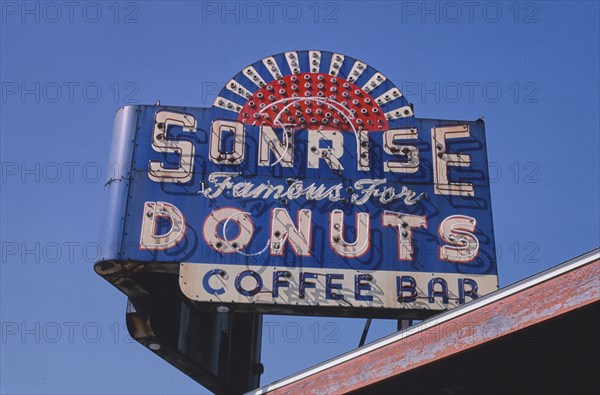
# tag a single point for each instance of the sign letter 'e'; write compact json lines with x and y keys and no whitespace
{"x":442,"y":159}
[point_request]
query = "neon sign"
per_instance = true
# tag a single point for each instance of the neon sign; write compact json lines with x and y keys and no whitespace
{"x":309,"y":187}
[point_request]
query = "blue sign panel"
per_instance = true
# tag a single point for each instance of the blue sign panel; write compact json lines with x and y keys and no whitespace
{"x":309,"y":183}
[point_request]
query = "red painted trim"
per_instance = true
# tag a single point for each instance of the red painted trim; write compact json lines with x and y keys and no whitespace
{"x":570,"y":291}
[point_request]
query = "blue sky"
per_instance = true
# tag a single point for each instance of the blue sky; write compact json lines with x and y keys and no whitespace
{"x":531,"y":68}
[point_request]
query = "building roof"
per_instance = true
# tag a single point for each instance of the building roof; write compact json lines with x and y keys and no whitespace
{"x":539,"y":334}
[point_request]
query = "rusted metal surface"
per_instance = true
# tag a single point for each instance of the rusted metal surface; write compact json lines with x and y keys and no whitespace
{"x":567,"y":287}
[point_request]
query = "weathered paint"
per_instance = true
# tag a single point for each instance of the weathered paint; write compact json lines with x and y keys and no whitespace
{"x":437,"y":338}
{"x":309,"y":163}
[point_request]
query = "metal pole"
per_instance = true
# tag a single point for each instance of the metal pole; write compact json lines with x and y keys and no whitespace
{"x":403,"y":324}
{"x":363,"y":338}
